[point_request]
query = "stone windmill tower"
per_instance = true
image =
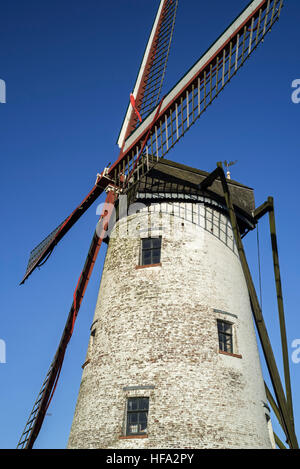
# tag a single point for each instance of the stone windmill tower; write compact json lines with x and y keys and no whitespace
{"x":172,"y":360}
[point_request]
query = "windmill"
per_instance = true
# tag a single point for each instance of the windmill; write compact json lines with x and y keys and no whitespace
{"x":151,"y":127}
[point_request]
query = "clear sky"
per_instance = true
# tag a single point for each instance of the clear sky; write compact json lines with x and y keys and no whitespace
{"x":69,"y":68}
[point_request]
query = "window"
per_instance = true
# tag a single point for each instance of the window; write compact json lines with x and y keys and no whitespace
{"x":137,"y":415}
{"x":150,"y":253}
{"x":225,"y":336}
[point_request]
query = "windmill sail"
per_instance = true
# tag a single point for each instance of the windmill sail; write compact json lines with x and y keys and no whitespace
{"x":180,"y":108}
{"x":192,"y":95}
{"x":43,"y":250}
{"x":151,"y":74}
{"x":154,"y":82}
{"x":37,"y":415}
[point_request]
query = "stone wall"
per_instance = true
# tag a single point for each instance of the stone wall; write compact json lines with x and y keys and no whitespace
{"x":155,"y":335}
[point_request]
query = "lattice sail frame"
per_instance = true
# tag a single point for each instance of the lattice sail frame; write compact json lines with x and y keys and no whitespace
{"x":178,"y":111}
{"x":155,"y":78}
{"x":189,"y":99}
{"x":152,"y":70}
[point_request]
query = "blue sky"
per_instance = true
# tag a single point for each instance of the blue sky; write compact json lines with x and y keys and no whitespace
{"x":69,"y":68}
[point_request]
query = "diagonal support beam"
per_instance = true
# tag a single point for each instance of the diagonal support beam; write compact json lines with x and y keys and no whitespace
{"x":259,"y":320}
{"x":278,"y":415}
{"x":279,"y":442}
{"x":274,"y":406}
{"x":268,"y":207}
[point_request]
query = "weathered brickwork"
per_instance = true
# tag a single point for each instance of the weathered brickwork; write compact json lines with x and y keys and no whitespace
{"x":155,"y":335}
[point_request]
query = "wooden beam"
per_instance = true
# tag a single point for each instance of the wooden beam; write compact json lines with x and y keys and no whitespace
{"x":259,"y":320}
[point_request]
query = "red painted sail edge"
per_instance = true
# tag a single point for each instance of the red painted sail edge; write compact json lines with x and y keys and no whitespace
{"x":127,"y":128}
{"x":141,"y":131}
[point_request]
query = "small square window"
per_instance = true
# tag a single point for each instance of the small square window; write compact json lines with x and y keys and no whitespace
{"x":150,"y":251}
{"x":225,"y":336}
{"x":137,"y":415}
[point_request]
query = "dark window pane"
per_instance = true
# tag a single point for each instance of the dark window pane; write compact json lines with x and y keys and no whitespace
{"x":143,"y":422}
{"x":225,"y":343}
{"x":224,"y":327}
{"x":227,"y":339}
{"x":221,"y":343}
{"x":142,"y":417}
{"x":156,"y":242}
{"x":146,"y":243}
{"x":143,"y":428}
{"x":132,"y":404}
{"x":147,"y":255}
{"x":132,"y":417}
{"x":155,"y":257}
{"x":228,"y":344}
{"x":221,"y":326}
{"x":146,"y":258}
{"x":144,"y":403}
